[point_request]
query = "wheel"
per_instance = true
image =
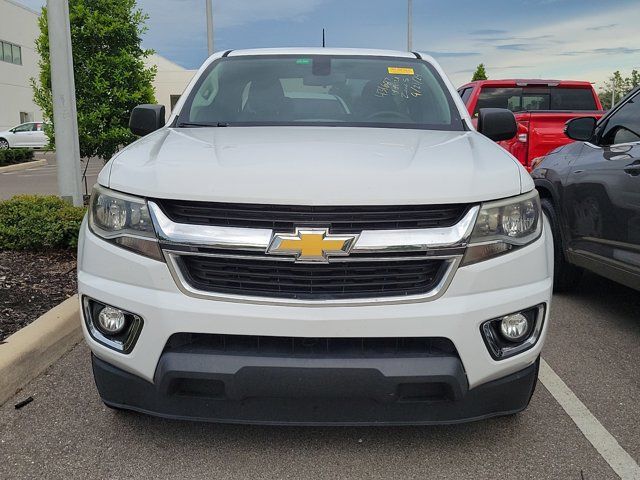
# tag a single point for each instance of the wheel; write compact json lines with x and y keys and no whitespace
{"x":3,"y":144}
{"x":565,"y":275}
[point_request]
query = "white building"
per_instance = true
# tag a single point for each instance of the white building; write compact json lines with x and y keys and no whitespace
{"x":170,"y":81}
{"x":19,"y":63}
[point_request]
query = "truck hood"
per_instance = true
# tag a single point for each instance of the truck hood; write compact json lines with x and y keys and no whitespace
{"x":315,"y":166}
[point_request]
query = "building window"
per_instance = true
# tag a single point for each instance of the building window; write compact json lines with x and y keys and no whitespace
{"x":10,"y":53}
{"x":17,"y":54}
{"x":173,"y":99}
{"x":26,"y":117}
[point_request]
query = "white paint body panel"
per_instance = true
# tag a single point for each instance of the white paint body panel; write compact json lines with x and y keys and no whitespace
{"x":318,"y":166}
{"x":477,"y":293}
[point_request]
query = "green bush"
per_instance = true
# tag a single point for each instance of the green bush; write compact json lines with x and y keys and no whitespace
{"x":32,"y":222}
{"x":15,"y":155}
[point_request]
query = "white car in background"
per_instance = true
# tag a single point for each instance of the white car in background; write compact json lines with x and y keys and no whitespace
{"x":29,"y":135}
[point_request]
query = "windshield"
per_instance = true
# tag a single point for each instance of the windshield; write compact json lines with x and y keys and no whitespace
{"x":320,"y":90}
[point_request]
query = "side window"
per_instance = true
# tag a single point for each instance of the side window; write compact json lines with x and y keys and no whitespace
{"x":27,"y":127}
{"x":497,"y":97}
{"x":465,"y":94}
{"x":624,"y":125}
{"x":205,"y":96}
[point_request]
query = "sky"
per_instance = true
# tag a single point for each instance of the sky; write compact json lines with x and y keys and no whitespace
{"x":558,"y":39}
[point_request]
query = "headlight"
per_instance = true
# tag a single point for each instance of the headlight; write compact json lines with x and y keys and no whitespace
{"x":123,"y":220}
{"x":504,"y":225}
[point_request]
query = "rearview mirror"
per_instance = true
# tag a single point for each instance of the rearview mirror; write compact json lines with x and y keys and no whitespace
{"x":146,"y":118}
{"x":581,"y":129}
{"x":497,"y":124}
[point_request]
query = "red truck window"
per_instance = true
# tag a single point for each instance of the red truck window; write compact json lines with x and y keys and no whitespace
{"x":465,"y":93}
{"x":520,"y":99}
{"x":572,"y":99}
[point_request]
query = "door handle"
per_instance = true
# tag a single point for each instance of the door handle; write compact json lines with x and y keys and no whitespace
{"x":633,"y":169}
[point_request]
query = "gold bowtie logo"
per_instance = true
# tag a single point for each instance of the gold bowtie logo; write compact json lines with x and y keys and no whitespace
{"x":311,"y":244}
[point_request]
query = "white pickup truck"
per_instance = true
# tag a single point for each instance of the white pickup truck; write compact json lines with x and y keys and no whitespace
{"x":316,"y":236}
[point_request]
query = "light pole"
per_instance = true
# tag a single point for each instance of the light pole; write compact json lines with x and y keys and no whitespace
{"x":613,"y":92}
{"x":410,"y":25}
{"x":63,"y":93}
{"x":209,"y":26}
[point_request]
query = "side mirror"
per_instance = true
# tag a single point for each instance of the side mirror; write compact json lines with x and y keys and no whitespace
{"x":146,"y":119}
{"x":497,"y":124}
{"x":581,"y":129}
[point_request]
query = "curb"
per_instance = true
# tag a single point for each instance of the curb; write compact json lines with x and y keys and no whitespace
{"x":31,"y":350}
{"x":23,"y":166}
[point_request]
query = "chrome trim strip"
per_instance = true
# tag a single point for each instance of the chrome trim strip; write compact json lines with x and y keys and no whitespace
{"x":441,"y":254}
{"x":258,"y":239}
{"x":385,"y":241}
{"x":208,"y":236}
{"x":187,"y":289}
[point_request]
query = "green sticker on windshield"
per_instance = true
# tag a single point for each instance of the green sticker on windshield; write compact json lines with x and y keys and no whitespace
{"x":303,"y":61}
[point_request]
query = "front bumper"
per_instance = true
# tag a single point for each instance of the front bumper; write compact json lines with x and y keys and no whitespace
{"x":477,"y":293}
{"x":261,"y":390}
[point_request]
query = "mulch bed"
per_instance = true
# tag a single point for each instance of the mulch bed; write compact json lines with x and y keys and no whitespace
{"x":32,"y":283}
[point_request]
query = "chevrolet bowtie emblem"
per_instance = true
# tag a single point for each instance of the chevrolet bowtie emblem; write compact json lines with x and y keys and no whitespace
{"x":311,"y":244}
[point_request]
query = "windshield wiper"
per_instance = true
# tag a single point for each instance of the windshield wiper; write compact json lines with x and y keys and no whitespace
{"x":201,"y":124}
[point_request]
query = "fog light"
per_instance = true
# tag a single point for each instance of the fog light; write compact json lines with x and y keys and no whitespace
{"x":110,"y":326}
{"x":112,"y":320}
{"x":514,"y":333}
{"x":514,"y":327}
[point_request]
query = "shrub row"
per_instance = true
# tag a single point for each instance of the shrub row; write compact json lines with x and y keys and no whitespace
{"x":32,"y":222}
{"x":15,"y":155}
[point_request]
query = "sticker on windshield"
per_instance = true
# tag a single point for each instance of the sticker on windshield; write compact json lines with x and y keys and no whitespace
{"x":400,"y":71}
{"x":303,"y":61}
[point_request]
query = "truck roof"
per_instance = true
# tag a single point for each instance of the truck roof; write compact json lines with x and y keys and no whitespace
{"x":529,"y":82}
{"x":322,"y":51}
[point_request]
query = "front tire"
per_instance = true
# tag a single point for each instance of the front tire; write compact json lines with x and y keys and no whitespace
{"x":4,"y":144}
{"x":565,"y":275}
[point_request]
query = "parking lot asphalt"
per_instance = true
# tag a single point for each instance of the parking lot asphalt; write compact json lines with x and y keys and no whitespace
{"x":43,"y":180}
{"x":593,"y":345}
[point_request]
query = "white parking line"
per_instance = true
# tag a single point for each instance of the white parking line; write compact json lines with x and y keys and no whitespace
{"x":618,"y":459}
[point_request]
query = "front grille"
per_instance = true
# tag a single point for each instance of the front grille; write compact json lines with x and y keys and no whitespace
{"x":253,"y":345}
{"x":339,"y":219}
{"x":332,"y":281}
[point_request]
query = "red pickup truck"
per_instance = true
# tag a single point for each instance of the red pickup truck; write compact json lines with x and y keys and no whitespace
{"x":541,"y":108}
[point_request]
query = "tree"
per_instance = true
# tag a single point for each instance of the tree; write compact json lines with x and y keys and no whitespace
{"x":618,"y":86}
{"x":480,"y":73}
{"x":110,"y":75}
